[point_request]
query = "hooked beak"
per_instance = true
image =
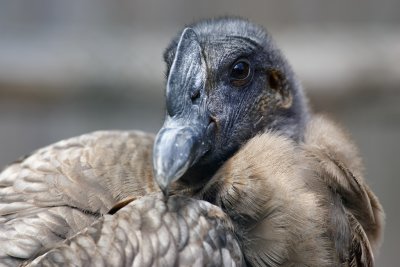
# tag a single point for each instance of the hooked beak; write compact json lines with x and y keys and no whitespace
{"x":185,"y":135}
{"x":176,"y":149}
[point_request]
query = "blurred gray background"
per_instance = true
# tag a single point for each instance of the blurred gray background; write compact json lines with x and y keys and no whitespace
{"x":70,"y":67}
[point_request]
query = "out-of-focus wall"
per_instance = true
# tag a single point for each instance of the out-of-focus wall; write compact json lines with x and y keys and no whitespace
{"x":70,"y":67}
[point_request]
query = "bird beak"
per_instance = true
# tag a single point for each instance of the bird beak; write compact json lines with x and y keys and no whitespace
{"x":176,"y":149}
{"x":184,"y":137}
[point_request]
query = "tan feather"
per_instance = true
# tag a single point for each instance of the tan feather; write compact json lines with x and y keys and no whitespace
{"x":291,"y":204}
{"x":263,"y":189}
{"x":151,"y":232}
{"x":62,"y":188}
{"x":335,"y":159}
{"x":300,"y":204}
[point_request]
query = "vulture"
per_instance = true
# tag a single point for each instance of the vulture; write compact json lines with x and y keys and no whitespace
{"x":241,"y":173}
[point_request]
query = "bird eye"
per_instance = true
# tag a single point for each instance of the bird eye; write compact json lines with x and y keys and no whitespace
{"x":240,"y":73}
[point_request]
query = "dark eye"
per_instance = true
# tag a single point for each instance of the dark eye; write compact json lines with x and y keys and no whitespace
{"x":240,"y":73}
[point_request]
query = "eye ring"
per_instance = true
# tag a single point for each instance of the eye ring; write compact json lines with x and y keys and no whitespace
{"x":241,"y":73}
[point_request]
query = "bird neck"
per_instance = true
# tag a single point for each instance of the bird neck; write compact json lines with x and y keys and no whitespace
{"x":197,"y":176}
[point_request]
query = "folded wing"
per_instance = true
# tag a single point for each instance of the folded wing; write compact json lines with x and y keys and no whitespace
{"x":62,"y":188}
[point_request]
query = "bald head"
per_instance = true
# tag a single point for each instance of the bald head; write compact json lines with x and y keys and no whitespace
{"x":227,"y":82}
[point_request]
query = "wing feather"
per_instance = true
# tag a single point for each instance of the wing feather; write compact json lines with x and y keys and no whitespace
{"x":356,"y":216}
{"x":146,"y":233}
{"x":60,"y":189}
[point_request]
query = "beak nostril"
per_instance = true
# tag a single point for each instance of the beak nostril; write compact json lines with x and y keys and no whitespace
{"x":195,"y":95}
{"x":212,"y":119}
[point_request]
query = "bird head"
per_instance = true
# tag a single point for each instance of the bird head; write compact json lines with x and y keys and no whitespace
{"x":227,"y":82}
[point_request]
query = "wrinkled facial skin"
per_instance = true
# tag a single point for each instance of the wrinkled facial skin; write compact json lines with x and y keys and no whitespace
{"x":230,"y":113}
{"x":235,"y":108}
{"x":253,"y":106}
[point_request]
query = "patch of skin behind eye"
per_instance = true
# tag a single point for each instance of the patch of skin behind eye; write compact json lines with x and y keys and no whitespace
{"x":264,"y":103}
{"x":278,"y":82}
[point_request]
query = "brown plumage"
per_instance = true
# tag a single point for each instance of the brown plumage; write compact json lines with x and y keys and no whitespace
{"x":355,"y":215}
{"x":295,"y":191}
{"x":300,"y":204}
{"x":264,"y":188}
{"x":152,"y":232}
{"x":54,"y":207}
{"x":290,"y":204}
{"x":237,"y":134}
{"x":62,"y":188}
